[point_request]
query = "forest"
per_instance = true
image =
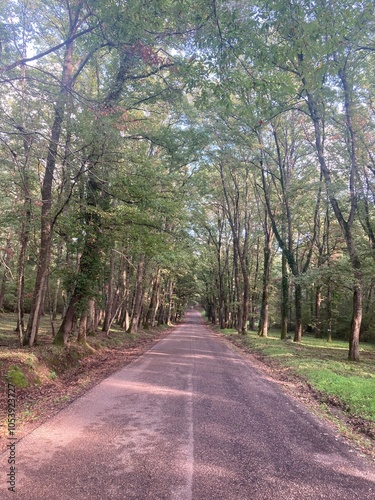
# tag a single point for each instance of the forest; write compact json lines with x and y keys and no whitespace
{"x":158,"y":155}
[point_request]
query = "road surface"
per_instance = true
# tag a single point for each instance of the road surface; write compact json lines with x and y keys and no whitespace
{"x":189,"y":419}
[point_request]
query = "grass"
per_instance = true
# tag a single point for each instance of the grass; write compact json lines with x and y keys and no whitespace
{"x":16,"y":377}
{"x":323,"y":365}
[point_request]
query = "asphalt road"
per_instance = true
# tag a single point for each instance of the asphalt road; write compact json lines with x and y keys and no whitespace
{"x":190,"y":419}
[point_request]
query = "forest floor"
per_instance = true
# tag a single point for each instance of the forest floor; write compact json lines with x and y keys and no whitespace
{"x":319,"y":374}
{"x":48,"y":378}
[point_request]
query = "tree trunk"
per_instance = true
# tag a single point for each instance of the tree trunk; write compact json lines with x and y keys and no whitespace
{"x":170,"y":303}
{"x":92,"y":317}
{"x":161,"y":313}
{"x":153,"y":302}
{"x":263,"y":321}
{"x":238,"y":290}
{"x":222,"y":308}
{"x":329,"y":311}
{"x":245,"y":300}
{"x":58,"y":283}
{"x":46,"y":194}
{"x":318,"y":303}
{"x":298,"y":306}
{"x":284,"y":298}
{"x":26,"y":209}
{"x":137,"y":301}
{"x":82,"y":331}
{"x":55,"y":299}
{"x":254,"y":294}
{"x":68,"y":324}
{"x":125,"y":317}
{"x":356,"y":323}
{"x":110,"y":295}
{"x":24,"y":240}
{"x":156,"y":305}
{"x":88,"y":271}
{"x":6,"y":262}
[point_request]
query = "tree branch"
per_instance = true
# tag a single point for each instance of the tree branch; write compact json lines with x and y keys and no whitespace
{"x":25,"y":60}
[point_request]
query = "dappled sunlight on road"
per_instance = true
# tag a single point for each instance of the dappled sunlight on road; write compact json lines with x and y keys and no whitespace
{"x":141,"y":388}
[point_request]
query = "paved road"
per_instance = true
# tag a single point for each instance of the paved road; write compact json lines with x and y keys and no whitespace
{"x":190,"y":419}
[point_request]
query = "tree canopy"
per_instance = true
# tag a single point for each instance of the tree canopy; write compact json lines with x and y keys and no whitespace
{"x":158,"y":154}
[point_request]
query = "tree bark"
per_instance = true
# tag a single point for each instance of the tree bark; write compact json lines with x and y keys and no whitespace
{"x":24,"y":240}
{"x":46,"y":195}
{"x":92,"y":317}
{"x":329,"y":311}
{"x":268,"y":236}
{"x":137,"y":301}
{"x":284,"y":298}
{"x":150,"y":316}
{"x":56,"y":299}
{"x":317,"y":321}
{"x":110,"y":295}
{"x":170,"y":303}
{"x":6,"y":262}
{"x":69,"y":322}
{"x":82,"y":331}
{"x":298,"y":316}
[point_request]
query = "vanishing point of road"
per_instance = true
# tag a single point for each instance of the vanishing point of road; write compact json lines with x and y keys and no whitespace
{"x":188,"y":420}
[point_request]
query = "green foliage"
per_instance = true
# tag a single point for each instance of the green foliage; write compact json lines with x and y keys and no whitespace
{"x":166,"y":101}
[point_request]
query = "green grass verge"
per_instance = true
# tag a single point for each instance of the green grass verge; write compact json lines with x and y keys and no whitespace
{"x":323,"y":365}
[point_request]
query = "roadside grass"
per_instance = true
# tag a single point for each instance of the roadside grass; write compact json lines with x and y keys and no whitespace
{"x":346,"y":384}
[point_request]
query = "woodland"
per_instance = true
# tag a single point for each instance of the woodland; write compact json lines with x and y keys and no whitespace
{"x":160,"y":154}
